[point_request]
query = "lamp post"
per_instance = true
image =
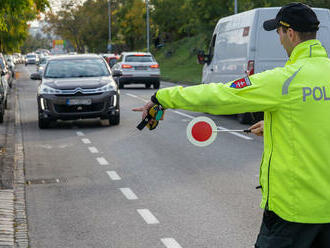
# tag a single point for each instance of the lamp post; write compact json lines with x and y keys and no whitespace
{"x":235,"y":6}
{"x":109,"y":15}
{"x":148,"y":45}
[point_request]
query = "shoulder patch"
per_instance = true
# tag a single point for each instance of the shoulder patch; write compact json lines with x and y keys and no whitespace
{"x":241,"y":83}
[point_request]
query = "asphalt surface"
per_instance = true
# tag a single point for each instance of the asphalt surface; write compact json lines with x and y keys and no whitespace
{"x":91,"y":185}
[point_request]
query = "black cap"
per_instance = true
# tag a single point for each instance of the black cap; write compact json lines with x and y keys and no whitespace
{"x":300,"y":17}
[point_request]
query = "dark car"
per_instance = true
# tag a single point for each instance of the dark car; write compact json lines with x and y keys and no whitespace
{"x":77,"y":87}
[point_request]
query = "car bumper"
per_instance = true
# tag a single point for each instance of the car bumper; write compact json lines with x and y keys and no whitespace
{"x":57,"y":107}
{"x":139,"y":79}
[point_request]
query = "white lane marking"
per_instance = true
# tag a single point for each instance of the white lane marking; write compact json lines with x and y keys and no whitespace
{"x":236,"y":134}
{"x":148,"y":217}
{"x":192,"y":117}
{"x":80,"y":133}
{"x":131,"y":95}
{"x":86,"y":141}
{"x":93,"y":149}
{"x":102,"y":161}
{"x":128,"y":193}
{"x":113,"y":175}
{"x":170,"y":243}
{"x":183,"y":114}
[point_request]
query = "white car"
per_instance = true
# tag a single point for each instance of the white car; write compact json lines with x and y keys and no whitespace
{"x":137,"y":68}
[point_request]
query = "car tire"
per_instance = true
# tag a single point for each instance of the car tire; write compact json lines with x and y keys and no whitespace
{"x":43,"y":123}
{"x":245,"y":118}
{"x":121,"y":85}
{"x":148,"y":85}
{"x":156,"y":85}
{"x":2,"y":116}
{"x":114,"y":119}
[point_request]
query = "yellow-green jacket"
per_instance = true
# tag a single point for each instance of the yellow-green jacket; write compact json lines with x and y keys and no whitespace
{"x":295,"y":167}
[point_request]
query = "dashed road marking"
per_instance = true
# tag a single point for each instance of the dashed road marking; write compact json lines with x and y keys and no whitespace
{"x":148,"y":217}
{"x":129,"y":194}
{"x":171,"y":243}
{"x":80,"y":133}
{"x":102,"y":161}
{"x":93,"y":149}
{"x":86,"y":141}
{"x":113,"y":175}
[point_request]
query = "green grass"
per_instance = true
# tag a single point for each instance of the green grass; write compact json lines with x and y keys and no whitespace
{"x":178,"y":60}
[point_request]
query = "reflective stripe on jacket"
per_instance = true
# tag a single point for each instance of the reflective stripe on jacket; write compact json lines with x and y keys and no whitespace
{"x":295,"y":168}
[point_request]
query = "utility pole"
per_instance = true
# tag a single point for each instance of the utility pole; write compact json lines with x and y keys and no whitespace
{"x":235,"y":6}
{"x":148,"y":45}
{"x":109,"y":15}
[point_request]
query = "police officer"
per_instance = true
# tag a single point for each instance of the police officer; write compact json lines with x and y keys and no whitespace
{"x":295,"y":168}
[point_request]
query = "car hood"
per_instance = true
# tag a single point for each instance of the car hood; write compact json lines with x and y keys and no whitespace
{"x":74,"y":83}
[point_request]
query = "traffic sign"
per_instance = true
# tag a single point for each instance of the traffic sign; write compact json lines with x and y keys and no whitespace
{"x":201,"y":131}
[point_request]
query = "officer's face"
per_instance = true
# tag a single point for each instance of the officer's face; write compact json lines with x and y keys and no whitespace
{"x":285,"y":41}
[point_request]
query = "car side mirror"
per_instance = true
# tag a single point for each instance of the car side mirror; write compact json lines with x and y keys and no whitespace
{"x":35,"y":76}
{"x":117,"y":73}
{"x":202,"y":57}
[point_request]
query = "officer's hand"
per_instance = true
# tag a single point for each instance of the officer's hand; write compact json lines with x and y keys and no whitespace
{"x":258,"y":128}
{"x":144,"y":109}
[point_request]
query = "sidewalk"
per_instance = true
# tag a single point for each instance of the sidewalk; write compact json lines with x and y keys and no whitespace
{"x":13,"y":224}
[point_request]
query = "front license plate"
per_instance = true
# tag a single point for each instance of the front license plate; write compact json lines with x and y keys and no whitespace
{"x":79,"y":101}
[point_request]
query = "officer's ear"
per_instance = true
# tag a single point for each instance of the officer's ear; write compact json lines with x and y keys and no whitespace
{"x":292,"y":35}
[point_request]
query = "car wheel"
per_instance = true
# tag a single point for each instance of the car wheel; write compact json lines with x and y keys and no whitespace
{"x":148,"y":85}
{"x":43,"y":123}
{"x":245,"y":118}
{"x":156,"y":85}
{"x":114,"y":119}
{"x":1,"y":116}
{"x":121,"y":85}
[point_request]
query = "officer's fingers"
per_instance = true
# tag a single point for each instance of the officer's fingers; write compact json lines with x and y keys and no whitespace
{"x":257,"y":131}
{"x":138,"y":109}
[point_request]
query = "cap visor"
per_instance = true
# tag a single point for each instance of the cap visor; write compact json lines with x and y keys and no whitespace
{"x":270,"y":25}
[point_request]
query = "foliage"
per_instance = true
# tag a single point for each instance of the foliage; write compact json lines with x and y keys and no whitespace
{"x":14,"y":16}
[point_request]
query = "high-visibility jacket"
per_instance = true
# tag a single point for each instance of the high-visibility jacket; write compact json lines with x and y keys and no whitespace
{"x":295,"y":167}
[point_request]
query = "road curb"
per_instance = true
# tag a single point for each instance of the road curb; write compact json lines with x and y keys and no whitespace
{"x":21,"y":228}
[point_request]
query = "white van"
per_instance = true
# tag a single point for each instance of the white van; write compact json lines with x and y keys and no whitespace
{"x":240,"y":46}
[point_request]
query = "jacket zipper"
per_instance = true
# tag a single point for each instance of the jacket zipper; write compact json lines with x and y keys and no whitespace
{"x":270,"y":158}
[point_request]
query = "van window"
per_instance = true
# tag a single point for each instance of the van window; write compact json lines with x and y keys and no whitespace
{"x":232,"y":44}
{"x":211,"y":48}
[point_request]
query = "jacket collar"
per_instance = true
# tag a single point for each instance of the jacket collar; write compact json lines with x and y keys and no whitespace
{"x":306,"y":49}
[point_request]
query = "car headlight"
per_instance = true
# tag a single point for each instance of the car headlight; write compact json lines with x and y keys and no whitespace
{"x":44,"y":89}
{"x":108,"y":87}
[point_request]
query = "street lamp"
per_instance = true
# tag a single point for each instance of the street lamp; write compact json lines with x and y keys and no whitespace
{"x":147,"y":5}
{"x":109,"y":15}
{"x":235,"y":6}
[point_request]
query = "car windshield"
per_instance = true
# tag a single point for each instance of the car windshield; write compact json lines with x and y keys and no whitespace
{"x":31,"y":56}
{"x":76,"y":68}
{"x":138,"y":58}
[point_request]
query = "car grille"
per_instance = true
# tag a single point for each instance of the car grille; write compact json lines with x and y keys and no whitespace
{"x":96,"y":107}
{"x":80,"y":94}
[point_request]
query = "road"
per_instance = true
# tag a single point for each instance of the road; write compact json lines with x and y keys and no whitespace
{"x":91,"y":185}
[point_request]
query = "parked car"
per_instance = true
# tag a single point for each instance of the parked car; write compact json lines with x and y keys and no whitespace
{"x":3,"y":87}
{"x":137,"y":68}
{"x":241,"y":47}
{"x":11,"y":65}
{"x":77,"y":87}
{"x":31,"y":58}
{"x":5,"y":73}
